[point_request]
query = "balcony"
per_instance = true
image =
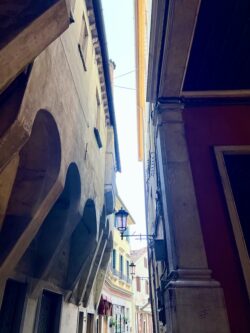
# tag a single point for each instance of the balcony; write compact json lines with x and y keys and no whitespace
{"x":120,"y":275}
{"x":115,"y":272}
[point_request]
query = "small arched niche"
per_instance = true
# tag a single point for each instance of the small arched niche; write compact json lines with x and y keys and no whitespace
{"x":37,"y":172}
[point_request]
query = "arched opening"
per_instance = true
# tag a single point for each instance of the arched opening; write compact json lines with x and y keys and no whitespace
{"x":39,"y":259}
{"x":103,"y":221}
{"x":37,"y":172}
{"x":82,"y":245}
{"x":103,"y":240}
{"x":102,"y":269}
{"x":107,"y":253}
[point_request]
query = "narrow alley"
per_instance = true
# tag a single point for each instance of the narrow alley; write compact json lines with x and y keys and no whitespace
{"x":124,"y":154}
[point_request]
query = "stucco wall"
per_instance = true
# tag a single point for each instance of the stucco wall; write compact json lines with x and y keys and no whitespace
{"x":60,"y":85}
{"x":205,"y":128}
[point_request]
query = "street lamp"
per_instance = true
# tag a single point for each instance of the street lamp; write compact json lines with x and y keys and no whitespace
{"x":132,"y":269}
{"x":132,"y":272}
{"x":121,"y":223}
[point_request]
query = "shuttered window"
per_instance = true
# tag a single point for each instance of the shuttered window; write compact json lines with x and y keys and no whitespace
{"x":138,"y":284}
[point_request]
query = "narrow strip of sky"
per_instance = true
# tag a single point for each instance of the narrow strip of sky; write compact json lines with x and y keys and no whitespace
{"x":119,"y":23}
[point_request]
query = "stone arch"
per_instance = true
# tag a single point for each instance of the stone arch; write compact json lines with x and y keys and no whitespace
{"x":102,"y":223}
{"x":102,"y":244}
{"x":102,"y":269}
{"x":40,"y":258}
{"x":82,"y":245}
{"x":38,"y":169}
{"x":108,"y":249}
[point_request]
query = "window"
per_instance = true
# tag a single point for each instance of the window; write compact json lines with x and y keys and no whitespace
{"x":121,"y":266}
{"x":119,"y":315}
{"x":145,"y":262}
{"x":90,"y":323}
{"x":80,"y":322}
{"x":98,"y":106}
{"x":146,"y":287}
{"x":138,"y":284}
{"x":12,"y":306}
{"x":50,"y":313}
{"x":97,"y":129}
{"x":234,"y":167}
{"x":114,"y":259}
{"x":127,"y":269}
{"x":83,"y":43}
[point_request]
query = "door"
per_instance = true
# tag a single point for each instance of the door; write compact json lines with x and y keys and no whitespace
{"x":50,"y":313}
{"x":12,"y":307}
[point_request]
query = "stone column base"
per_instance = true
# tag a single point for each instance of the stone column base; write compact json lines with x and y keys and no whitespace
{"x":195,"y":306}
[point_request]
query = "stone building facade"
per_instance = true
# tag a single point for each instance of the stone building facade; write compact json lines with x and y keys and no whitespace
{"x":58,"y":158}
{"x":196,"y":166}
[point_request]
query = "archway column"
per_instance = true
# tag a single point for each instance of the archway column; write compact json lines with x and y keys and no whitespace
{"x":13,"y":255}
{"x":7,"y":178}
{"x":102,"y":270}
{"x":85,"y":273}
{"x":192,"y":299}
{"x":95,"y":269}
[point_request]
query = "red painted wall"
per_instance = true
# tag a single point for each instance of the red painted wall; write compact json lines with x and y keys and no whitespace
{"x":206,"y":127}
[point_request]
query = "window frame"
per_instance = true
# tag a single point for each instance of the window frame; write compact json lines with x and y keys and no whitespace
{"x":83,"y":42}
{"x":39,"y":310}
{"x":97,"y":128}
{"x":121,"y":264}
{"x":127,"y":268}
{"x":114,"y":259}
{"x":80,"y":321}
{"x":220,"y":151}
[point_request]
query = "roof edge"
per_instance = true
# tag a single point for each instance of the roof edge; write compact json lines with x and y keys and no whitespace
{"x":97,"y":6}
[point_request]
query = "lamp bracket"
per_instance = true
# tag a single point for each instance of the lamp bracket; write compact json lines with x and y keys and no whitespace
{"x":140,"y":236}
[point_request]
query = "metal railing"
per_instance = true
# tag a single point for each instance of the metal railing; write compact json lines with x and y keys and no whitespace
{"x":120,"y":275}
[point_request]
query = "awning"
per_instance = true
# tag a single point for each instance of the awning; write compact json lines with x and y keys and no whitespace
{"x":105,"y":306}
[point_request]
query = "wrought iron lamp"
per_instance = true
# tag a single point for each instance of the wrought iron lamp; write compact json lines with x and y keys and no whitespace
{"x":132,"y":266}
{"x":132,"y":269}
{"x":121,"y":222}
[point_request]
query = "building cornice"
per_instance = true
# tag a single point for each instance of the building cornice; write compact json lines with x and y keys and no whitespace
{"x":158,"y":17}
{"x":116,"y":290}
{"x":172,"y":30}
{"x":101,"y":34}
{"x":165,"y":104}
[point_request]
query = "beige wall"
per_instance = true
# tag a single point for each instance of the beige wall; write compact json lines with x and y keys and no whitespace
{"x":59,"y":84}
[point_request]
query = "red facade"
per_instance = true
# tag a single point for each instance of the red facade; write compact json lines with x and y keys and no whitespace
{"x":207,"y":127}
